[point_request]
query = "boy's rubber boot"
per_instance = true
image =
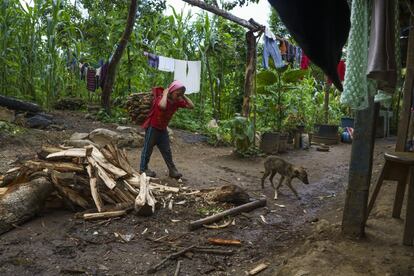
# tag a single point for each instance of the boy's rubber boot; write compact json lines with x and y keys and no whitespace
{"x":174,"y":173}
{"x":149,"y":173}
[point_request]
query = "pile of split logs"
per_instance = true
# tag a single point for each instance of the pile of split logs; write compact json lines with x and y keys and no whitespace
{"x":83,"y":177}
{"x":139,"y":105}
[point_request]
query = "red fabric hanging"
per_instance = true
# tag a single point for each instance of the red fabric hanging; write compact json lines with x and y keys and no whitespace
{"x":305,"y":61}
{"x":341,"y":71}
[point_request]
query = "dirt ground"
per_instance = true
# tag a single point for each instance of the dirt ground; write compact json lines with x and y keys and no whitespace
{"x":294,"y":237}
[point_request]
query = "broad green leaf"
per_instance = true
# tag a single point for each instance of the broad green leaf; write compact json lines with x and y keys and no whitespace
{"x":293,"y":76}
{"x":265,"y":78}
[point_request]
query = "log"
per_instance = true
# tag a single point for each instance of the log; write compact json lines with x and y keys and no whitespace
{"x":15,"y":104}
{"x":22,"y":202}
{"x":234,"y":211}
{"x":145,"y":200}
{"x":103,"y":215}
{"x":56,"y":166}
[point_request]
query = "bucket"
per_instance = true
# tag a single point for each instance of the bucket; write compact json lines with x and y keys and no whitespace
{"x":270,"y":142}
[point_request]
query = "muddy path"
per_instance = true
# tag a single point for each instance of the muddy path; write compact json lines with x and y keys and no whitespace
{"x":58,"y":243}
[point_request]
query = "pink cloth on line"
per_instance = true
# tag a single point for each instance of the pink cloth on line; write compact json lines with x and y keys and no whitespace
{"x":175,"y":85}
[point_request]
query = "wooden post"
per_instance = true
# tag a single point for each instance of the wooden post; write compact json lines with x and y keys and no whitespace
{"x":360,"y":168}
{"x":407,"y":94}
{"x":250,"y":72}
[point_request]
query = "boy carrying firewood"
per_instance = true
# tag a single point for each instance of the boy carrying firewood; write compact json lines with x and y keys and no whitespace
{"x":155,"y":126}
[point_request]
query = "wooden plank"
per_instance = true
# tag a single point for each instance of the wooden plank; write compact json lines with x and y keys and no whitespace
{"x":103,"y":215}
{"x":46,"y":150}
{"x":409,"y":218}
{"x":101,"y":160}
{"x":57,"y":166}
{"x":75,"y":152}
{"x":404,"y":119}
{"x":103,"y":175}
{"x":94,"y":189}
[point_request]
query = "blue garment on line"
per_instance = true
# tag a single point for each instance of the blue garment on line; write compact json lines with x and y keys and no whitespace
{"x":271,"y":49}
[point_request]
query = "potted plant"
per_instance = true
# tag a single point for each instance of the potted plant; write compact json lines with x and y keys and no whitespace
{"x":272,"y":88}
{"x":326,"y":128}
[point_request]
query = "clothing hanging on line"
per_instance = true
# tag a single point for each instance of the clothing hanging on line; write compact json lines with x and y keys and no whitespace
{"x":153,"y":60}
{"x":166,"y":64}
{"x":341,"y":71}
{"x":83,"y":69}
{"x":383,"y":61}
{"x":283,"y":49}
{"x":298,"y":57}
{"x":290,"y":53}
{"x":188,"y":72}
{"x":356,"y":84}
{"x":304,"y":62}
{"x":270,"y":48}
{"x":91,"y":79}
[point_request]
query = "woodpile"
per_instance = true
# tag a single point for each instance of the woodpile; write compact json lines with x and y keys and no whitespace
{"x":86,"y":178}
{"x":139,"y":105}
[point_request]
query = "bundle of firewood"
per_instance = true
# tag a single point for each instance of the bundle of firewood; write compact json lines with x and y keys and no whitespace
{"x":139,"y":105}
{"x":90,"y":178}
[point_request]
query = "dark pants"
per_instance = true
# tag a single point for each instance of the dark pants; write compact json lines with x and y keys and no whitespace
{"x":159,"y":138}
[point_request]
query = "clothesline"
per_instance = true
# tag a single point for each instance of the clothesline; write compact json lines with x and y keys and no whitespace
{"x":185,"y":71}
